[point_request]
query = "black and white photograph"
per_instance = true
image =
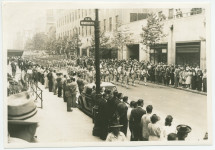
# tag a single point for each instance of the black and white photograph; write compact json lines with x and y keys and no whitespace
{"x":106,"y":74}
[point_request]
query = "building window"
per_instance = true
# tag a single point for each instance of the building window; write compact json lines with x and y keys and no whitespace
{"x":85,"y":12}
{"x":73,"y":16}
{"x":90,"y":30}
{"x":86,"y":30}
{"x":79,"y":14}
{"x":133,"y":17}
{"x":117,"y":21}
{"x":110,"y":24}
{"x":170,"y":13}
{"x":104,"y":25}
{"x":79,"y":31}
{"x":160,"y":14}
{"x":82,"y":13}
{"x":82,"y":30}
{"x":137,"y":16}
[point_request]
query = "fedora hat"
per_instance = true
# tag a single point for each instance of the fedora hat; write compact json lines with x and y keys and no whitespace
{"x":21,"y":109}
{"x":184,"y":128}
{"x":115,"y":124}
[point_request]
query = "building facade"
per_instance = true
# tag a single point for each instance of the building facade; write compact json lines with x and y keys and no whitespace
{"x":185,"y":41}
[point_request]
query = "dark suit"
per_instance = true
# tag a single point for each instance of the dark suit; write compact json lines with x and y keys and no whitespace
{"x":103,"y":118}
{"x":122,"y":109}
{"x":134,"y":122}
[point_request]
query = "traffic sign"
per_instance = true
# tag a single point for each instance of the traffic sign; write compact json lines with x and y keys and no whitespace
{"x":87,"y":22}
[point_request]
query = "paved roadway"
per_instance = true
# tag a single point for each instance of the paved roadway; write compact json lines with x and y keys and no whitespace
{"x":185,"y":107}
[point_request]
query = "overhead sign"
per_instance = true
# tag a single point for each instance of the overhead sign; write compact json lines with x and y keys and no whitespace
{"x":87,"y":22}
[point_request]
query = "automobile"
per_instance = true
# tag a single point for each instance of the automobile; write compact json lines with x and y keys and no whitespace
{"x":86,"y":102}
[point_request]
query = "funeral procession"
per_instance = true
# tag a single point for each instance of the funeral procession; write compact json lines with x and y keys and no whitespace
{"x":106,"y":75}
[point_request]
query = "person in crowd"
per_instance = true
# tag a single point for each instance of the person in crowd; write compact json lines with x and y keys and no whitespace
{"x":115,"y":135}
{"x":64,"y":88}
{"x":135,"y":120}
{"x":176,"y":76}
{"x":122,"y":110}
{"x":154,"y":128}
{"x":133,"y":105}
{"x":54,"y":82}
{"x":168,"y":128}
{"x":50,"y":80}
{"x":59,"y":81}
{"x":145,"y":120}
{"x":182,"y":131}
{"x":22,"y":121}
{"x":205,"y":81}
{"x":199,"y":80}
{"x":68,"y":94}
{"x":172,"y":137}
{"x":13,"y":67}
{"x":102,"y":117}
{"x":189,"y":78}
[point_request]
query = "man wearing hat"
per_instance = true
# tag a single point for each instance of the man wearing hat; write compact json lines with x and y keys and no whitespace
{"x":22,"y":122}
{"x":115,"y":135}
{"x":183,"y":131}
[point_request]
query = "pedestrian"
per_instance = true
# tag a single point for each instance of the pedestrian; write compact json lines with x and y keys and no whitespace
{"x":172,"y":137}
{"x":168,"y":128}
{"x":204,"y":81}
{"x":115,"y":135}
{"x":50,"y":80}
{"x":68,"y":95}
{"x":135,"y":120}
{"x":122,"y":110}
{"x":59,"y":81}
{"x":145,"y":120}
{"x":22,"y":121}
{"x":182,"y":131}
{"x":154,"y":128}
{"x":102,"y":117}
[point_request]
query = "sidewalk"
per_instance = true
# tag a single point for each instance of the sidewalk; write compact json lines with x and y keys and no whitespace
{"x":58,"y":125}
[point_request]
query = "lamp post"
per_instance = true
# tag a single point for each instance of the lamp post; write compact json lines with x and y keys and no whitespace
{"x":89,"y":22}
{"x":97,"y":56}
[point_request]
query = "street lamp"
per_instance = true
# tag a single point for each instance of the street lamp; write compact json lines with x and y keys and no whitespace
{"x":89,"y":22}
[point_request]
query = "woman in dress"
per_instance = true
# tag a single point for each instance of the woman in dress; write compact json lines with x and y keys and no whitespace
{"x":189,"y":78}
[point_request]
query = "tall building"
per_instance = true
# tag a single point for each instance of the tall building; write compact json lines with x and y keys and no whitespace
{"x":184,"y":29}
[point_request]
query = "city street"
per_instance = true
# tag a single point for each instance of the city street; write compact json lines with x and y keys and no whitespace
{"x":185,"y":107}
{"x":58,"y":125}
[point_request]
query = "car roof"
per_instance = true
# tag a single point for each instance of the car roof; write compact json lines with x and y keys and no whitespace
{"x":103,"y":84}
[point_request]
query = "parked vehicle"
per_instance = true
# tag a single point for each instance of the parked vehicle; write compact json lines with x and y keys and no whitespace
{"x":86,"y":101}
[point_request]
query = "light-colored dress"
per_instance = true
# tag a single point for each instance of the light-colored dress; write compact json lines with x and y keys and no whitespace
{"x":145,"y":120}
{"x":112,"y":138}
{"x":154,"y":132}
{"x":167,"y":130}
{"x":189,"y":77}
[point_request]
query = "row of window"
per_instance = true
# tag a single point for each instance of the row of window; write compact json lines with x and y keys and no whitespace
{"x":82,"y":31}
{"x":73,"y":16}
{"x":110,"y":23}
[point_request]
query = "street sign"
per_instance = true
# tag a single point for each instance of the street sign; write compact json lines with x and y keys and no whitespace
{"x":87,"y":22}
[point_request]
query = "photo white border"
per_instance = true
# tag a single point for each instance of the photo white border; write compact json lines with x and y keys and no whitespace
{"x":64,"y":5}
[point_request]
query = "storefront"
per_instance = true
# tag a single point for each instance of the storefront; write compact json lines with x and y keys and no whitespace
{"x":158,"y":53}
{"x":188,"y":53}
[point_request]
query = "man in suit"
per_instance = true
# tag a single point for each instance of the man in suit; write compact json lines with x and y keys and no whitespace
{"x":122,"y":109}
{"x":50,"y":80}
{"x":135,"y":120}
